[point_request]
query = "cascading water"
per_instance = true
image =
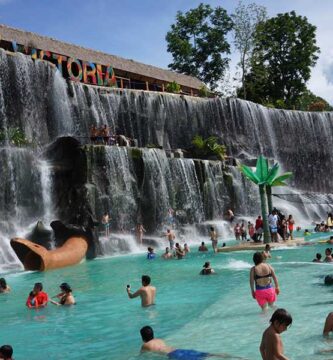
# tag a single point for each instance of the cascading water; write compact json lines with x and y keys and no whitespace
{"x":34,"y":98}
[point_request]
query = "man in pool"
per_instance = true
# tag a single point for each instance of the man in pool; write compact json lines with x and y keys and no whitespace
{"x":146,"y":292}
{"x":328,"y":327}
{"x":271,"y":347}
{"x":159,"y":346}
{"x":6,"y":352}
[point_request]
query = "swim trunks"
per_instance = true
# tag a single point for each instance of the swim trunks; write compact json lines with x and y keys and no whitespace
{"x":265,"y":295}
{"x":183,"y":354}
{"x":274,"y":229}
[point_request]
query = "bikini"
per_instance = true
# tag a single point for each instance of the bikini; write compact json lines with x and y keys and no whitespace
{"x":256,"y":277}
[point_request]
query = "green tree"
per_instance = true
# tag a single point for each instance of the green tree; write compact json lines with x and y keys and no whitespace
{"x":197,"y":41}
{"x":287,"y":47}
{"x":246,"y":19}
{"x":310,"y":102}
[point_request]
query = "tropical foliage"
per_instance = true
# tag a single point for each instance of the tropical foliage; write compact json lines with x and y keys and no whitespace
{"x":204,"y":148}
{"x":173,"y":87}
{"x":284,"y":53}
{"x":14,"y":136}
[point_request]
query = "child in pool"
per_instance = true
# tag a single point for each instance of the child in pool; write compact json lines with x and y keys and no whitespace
{"x":271,"y":347}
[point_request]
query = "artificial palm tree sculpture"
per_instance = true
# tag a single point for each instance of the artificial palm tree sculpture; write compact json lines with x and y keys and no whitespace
{"x":265,"y":178}
{"x":259,"y":177}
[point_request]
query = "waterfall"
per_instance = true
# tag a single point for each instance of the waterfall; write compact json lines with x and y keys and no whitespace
{"x":142,"y":187}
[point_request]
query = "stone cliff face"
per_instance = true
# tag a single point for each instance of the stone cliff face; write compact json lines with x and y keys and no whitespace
{"x":66,"y":178}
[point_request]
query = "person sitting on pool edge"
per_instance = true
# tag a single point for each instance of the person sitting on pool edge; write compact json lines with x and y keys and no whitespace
{"x":146,"y":292}
{"x":207,"y":270}
{"x":6,"y":352}
{"x":65,"y":296}
{"x":159,"y":346}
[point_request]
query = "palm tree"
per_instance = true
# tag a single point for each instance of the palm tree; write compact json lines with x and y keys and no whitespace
{"x":265,"y":178}
{"x":259,"y":177}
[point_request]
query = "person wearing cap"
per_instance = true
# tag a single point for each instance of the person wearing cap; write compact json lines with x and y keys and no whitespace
{"x":207,"y":270}
{"x":65,"y":296}
{"x":38,"y":295}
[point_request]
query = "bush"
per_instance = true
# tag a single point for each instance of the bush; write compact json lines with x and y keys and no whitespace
{"x":208,"y":147}
{"x":204,"y":91}
{"x":317,"y":106}
{"x":15,"y":136}
{"x":173,"y":87}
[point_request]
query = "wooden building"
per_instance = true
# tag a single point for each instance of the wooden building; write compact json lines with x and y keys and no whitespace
{"x":94,"y":67}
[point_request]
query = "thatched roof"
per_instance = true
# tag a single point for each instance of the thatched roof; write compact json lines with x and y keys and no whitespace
{"x":78,"y":52}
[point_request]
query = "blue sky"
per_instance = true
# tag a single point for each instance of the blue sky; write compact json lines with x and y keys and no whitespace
{"x":135,"y":29}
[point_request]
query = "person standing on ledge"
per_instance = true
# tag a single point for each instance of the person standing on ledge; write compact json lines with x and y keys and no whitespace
{"x":139,"y":233}
{"x":171,"y":237}
{"x":106,"y":223}
{"x":147,"y":292}
{"x":213,"y":238}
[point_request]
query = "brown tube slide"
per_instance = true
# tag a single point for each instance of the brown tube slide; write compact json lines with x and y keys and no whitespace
{"x":37,"y":257}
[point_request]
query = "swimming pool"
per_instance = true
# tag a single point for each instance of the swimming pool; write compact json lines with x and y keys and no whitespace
{"x":208,"y":313}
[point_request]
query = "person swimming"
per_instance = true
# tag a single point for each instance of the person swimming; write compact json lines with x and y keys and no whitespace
{"x":4,"y":288}
{"x":207,"y":270}
{"x":159,"y":346}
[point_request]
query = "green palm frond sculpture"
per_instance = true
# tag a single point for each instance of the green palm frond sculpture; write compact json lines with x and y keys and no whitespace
{"x":265,"y":178}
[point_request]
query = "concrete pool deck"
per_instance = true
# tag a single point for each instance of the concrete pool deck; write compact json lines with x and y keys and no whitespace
{"x":260,"y":246}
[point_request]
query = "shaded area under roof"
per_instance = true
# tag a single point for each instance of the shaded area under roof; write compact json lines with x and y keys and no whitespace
{"x":45,"y":43}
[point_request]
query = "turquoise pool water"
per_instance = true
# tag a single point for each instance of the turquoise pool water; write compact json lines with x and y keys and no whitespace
{"x":213,"y":313}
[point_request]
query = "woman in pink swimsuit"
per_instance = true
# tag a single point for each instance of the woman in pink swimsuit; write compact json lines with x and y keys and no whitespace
{"x":261,"y":282}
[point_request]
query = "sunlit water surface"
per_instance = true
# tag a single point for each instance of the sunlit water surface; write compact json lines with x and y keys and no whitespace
{"x":209,"y":313}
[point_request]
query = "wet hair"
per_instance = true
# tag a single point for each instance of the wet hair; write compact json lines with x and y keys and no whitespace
{"x":147,"y":333}
{"x":3,"y":283}
{"x":150,"y":249}
{"x":267,"y":247}
{"x":167,"y":249}
{"x":203,"y":243}
{"x":258,"y":258}
{"x":212,"y":228}
{"x":331,"y":238}
{"x":206,"y":265}
{"x":177,"y":244}
{"x":306,"y":230}
{"x":145,"y":279}
{"x":6,"y":351}
{"x":318,"y":256}
{"x":328,"y":250}
{"x":65,"y":287}
{"x":39,"y":286}
{"x":282,"y":317}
